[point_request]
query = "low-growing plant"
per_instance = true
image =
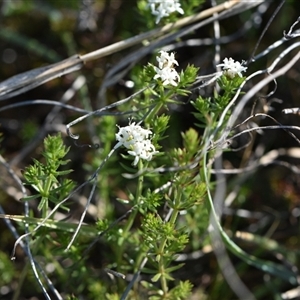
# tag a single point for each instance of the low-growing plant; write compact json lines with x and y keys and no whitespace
{"x":121,"y":223}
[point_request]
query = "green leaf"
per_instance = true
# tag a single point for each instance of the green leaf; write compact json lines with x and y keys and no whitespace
{"x":174,"y":268}
{"x":28,"y":198}
{"x":156,"y":277}
{"x":264,"y":265}
{"x":182,"y":290}
{"x":42,"y":203}
{"x":86,"y":230}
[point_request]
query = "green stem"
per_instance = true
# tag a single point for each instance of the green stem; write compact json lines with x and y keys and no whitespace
{"x":47,"y":186}
{"x":137,"y":201}
{"x":163,"y":280}
{"x":132,"y":216}
{"x":161,"y":102}
{"x":173,"y":218}
{"x":154,"y":112}
{"x":46,"y":192}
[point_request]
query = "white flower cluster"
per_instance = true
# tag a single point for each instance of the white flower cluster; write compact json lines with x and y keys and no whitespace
{"x":136,"y":140}
{"x":165,"y":70}
{"x":231,"y":67}
{"x":163,"y":8}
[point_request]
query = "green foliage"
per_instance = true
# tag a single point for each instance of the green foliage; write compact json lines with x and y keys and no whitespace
{"x":28,"y":131}
{"x":156,"y":232}
{"x":159,"y":126}
{"x":45,"y":177}
{"x":208,"y":110}
{"x":182,"y":291}
{"x":191,"y":144}
{"x":6,"y":269}
{"x":151,"y":201}
{"x":137,"y":221}
{"x":188,"y":77}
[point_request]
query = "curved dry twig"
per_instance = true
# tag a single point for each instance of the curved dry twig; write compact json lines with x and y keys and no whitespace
{"x":26,"y":81}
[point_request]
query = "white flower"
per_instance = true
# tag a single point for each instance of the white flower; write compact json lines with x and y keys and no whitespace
{"x":167,"y":75}
{"x":166,"y":60}
{"x":231,"y":67}
{"x":131,"y":134}
{"x":165,"y":70}
{"x":136,"y":140}
{"x":163,"y":8}
{"x":142,"y":150}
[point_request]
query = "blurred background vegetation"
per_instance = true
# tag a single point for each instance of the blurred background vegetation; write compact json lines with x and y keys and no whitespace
{"x":36,"y":33}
